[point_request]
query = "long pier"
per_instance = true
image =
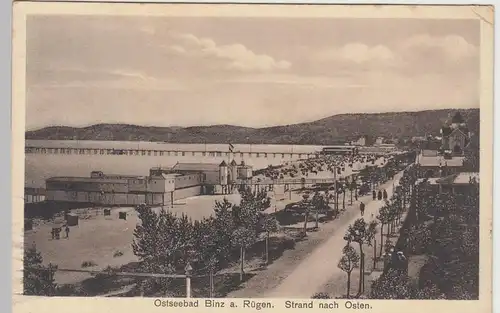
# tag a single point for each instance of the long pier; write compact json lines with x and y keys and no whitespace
{"x":161,"y":152}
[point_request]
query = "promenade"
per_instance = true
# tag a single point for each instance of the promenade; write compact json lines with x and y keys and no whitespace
{"x":288,"y":277}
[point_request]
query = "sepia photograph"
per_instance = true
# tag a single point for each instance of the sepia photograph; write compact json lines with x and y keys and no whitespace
{"x":253,"y":154}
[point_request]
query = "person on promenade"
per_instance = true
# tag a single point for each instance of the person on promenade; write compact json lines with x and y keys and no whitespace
{"x":379,"y":197}
{"x":362,"y":208}
{"x":67,"y":231}
{"x":385,"y":194}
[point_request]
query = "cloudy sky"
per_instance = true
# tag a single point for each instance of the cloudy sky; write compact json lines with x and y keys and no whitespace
{"x":183,"y":71}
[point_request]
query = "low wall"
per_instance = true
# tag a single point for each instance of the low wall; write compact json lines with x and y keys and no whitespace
{"x":187,"y":192}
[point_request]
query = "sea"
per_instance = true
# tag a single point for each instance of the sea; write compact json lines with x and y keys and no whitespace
{"x":39,"y":167}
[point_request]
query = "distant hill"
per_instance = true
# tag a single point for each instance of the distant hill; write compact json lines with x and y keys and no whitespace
{"x":326,"y":131}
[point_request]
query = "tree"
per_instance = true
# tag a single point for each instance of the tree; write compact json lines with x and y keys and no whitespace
{"x":428,"y":293}
{"x":321,"y":295}
{"x":395,"y":284}
{"x":352,"y":188}
{"x":224,"y":227}
{"x":38,"y":280}
{"x":250,"y":212}
{"x":319,"y":203}
{"x":392,"y":214}
{"x":270,"y":226}
{"x":306,"y":206}
{"x":146,"y":241}
{"x":208,"y":253}
{"x":348,"y":262}
{"x":343,"y":188}
{"x":384,"y":218}
{"x":243,"y":238}
{"x":361,"y":233}
{"x":162,"y":242}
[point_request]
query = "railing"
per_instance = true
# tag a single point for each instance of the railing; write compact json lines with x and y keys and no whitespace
{"x":156,"y":152}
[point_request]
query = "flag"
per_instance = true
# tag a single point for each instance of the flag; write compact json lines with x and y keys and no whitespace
{"x":231,"y":148}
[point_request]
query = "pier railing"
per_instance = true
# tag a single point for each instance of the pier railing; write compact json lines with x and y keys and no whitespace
{"x":157,"y":152}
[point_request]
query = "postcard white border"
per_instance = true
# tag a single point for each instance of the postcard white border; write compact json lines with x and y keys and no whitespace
{"x":26,"y":304}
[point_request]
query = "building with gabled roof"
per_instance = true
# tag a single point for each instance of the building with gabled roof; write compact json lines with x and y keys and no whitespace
{"x":455,"y":135}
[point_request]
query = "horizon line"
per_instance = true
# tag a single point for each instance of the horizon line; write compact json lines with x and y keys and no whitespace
{"x":249,"y":127}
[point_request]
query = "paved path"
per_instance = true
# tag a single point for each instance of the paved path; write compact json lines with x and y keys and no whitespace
{"x":315,"y":271}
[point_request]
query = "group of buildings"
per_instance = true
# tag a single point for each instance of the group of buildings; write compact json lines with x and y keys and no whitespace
{"x":164,"y":185}
{"x":161,"y":187}
{"x":446,"y":165}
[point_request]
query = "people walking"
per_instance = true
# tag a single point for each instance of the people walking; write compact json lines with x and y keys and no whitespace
{"x":374,"y":194}
{"x":379,"y":196}
{"x":362,"y":208}
{"x":385,"y":194}
{"x":67,"y":231}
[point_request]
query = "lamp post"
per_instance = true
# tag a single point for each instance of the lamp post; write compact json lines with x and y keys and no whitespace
{"x":188,"y":270}
{"x":335,"y":180}
{"x":305,"y":202}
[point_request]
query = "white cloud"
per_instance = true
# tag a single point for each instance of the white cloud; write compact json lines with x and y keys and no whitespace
{"x":453,"y":47}
{"x":357,"y":53}
{"x":418,"y":52}
{"x":236,"y":56}
{"x":296,"y":81}
{"x":109,"y":79}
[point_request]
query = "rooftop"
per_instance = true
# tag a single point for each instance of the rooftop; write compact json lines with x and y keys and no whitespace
{"x":464,"y":178}
{"x":431,"y":181}
{"x":436,"y":161}
{"x":34,"y":191}
{"x":196,"y":167}
{"x":89,"y":180}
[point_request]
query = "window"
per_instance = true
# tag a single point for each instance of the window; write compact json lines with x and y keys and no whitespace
{"x":161,"y":153}
{"x":183,"y":153}
{"x":241,"y":155}
{"x":176,"y":153}
{"x":149,"y":153}
{"x":143,"y":152}
{"x":194,"y":153}
{"x":155,"y":153}
{"x":257,"y":155}
{"x":282,"y":155}
{"x":204,"y":154}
